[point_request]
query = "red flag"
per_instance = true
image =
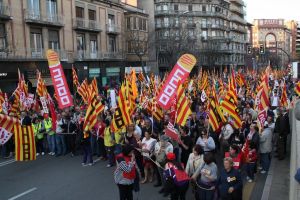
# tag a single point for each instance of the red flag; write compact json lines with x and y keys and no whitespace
{"x":171,"y":132}
{"x":53,"y":114}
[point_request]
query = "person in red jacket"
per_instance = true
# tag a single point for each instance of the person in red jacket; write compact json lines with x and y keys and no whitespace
{"x":235,"y":154}
{"x":251,"y":160}
{"x":126,"y":172}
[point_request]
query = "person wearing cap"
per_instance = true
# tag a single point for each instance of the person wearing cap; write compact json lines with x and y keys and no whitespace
{"x":177,"y":180}
{"x":126,"y":172}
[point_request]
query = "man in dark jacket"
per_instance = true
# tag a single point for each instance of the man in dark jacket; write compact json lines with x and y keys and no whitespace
{"x":282,"y":128}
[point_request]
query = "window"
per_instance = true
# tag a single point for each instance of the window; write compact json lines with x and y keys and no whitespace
{"x":144,"y":25}
{"x":79,"y":12}
{"x":190,"y":7}
{"x":93,"y":46}
{"x":34,"y":9}
{"x":53,"y":40}
{"x":111,"y":19}
{"x":80,"y":45}
{"x":51,"y":7}
{"x":203,"y":8}
{"x":165,"y":7}
{"x":175,"y":7}
{"x":2,"y":37}
{"x":36,"y":42}
{"x":134,"y":23}
{"x":141,"y":24}
{"x":112,"y":44}
{"x":128,"y":20}
{"x":92,"y":15}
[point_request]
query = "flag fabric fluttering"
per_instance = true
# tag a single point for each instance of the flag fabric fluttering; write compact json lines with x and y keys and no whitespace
{"x":284,"y":98}
{"x":83,"y":91}
{"x":121,"y":117}
{"x":94,"y":109}
{"x":171,"y":132}
{"x":263,"y":93}
{"x":75,"y":78}
{"x":183,"y":106}
{"x":297,"y":88}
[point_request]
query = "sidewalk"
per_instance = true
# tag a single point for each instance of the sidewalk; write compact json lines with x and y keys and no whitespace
{"x":278,"y":179}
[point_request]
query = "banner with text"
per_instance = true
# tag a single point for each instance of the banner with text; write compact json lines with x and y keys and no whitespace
{"x":62,"y":91}
{"x":180,"y":72}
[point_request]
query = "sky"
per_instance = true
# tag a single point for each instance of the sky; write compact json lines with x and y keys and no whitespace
{"x":272,"y":9}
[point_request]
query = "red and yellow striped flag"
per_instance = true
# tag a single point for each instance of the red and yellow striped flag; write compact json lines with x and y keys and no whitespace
{"x":229,"y":105}
{"x":83,"y":91}
{"x":75,"y":78}
{"x":297,"y":88}
{"x":263,"y":93}
{"x":2,"y":100}
{"x":94,"y":109}
{"x":121,"y":116}
{"x":283,"y":99}
{"x":183,"y":106}
{"x":24,"y":143}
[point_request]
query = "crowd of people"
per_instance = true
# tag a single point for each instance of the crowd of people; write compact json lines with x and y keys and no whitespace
{"x":212,"y":163}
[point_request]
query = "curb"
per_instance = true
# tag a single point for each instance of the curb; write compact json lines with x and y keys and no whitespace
{"x":268,"y":183}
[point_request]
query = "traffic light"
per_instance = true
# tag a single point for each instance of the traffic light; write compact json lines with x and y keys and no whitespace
{"x":261,"y":49}
{"x":249,"y":49}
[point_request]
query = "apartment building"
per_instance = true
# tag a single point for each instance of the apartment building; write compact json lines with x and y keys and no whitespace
{"x":215,"y":31}
{"x":89,"y":34}
{"x":277,"y":39}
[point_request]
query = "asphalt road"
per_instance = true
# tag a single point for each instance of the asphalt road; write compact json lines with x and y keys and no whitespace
{"x":62,"y":178}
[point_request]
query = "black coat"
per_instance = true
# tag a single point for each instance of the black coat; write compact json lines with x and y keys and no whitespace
{"x":282,"y":125}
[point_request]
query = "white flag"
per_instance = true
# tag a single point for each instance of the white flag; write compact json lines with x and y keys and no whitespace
{"x":4,"y":136}
{"x":203,"y":96}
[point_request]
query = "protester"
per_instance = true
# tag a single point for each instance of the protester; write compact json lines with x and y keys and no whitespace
{"x":236,"y":156}
{"x":60,"y":137}
{"x":109,"y":143}
{"x":282,"y":127}
{"x":177,"y":181}
{"x":230,"y":182}
{"x":206,"y":177}
{"x":265,"y":147}
{"x":185,"y":144}
{"x":39,"y":131}
{"x":251,"y":162}
{"x":50,"y":134}
{"x":126,"y":172}
{"x":206,"y":142}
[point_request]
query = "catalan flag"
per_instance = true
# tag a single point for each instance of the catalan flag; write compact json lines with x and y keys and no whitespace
{"x":130,"y":96}
{"x":2,"y":100}
{"x":75,"y":78}
{"x":154,"y":109}
{"x":240,"y":79}
{"x":94,"y":109}
{"x":41,"y":89}
{"x":183,"y":106}
{"x":283,"y":99}
{"x":263,"y":93}
{"x":121,"y":116}
{"x":214,"y":117}
{"x":297,"y":88}
{"x":83,"y":91}
{"x":141,"y":77}
{"x":229,"y":105}
{"x":24,"y":143}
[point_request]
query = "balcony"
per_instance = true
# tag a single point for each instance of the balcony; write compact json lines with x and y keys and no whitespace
{"x":191,"y":25}
{"x":29,"y":54}
{"x":44,"y":20}
{"x":239,"y":29}
{"x":240,"y":2}
{"x":238,"y":10}
{"x":87,"y":55}
{"x":191,"y":13}
{"x":112,"y":29}
{"x":5,"y":12}
{"x":238,"y":19}
{"x":86,"y":25}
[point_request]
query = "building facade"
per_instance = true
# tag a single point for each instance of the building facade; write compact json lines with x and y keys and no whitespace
{"x":298,"y":42}
{"x":292,"y":26}
{"x":89,"y":34}
{"x":274,"y":35}
{"x":214,"y":31}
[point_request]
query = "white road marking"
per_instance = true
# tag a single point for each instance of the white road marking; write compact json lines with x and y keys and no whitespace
{"x":97,"y":160}
{"x":7,"y":162}
{"x":23,"y":193}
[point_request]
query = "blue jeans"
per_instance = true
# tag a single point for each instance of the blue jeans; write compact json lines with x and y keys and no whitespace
{"x":265,"y":160}
{"x":94,"y":145}
{"x":51,"y":142}
{"x":205,"y":194}
{"x":250,"y":168}
{"x":87,"y":154}
{"x":61,"y":144}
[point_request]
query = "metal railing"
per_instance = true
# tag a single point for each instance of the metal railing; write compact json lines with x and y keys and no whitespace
{"x":237,"y":9}
{"x":30,"y":53}
{"x":241,"y":2}
{"x":81,"y":23}
{"x":190,"y":13}
{"x":238,"y":19}
{"x":38,"y":17}
{"x":88,"y":55}
{"x":5,"y":11}
{"x":112,"y":28}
